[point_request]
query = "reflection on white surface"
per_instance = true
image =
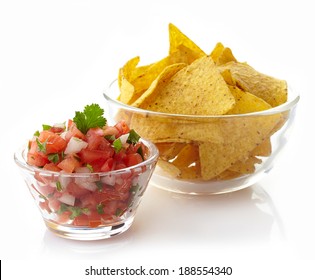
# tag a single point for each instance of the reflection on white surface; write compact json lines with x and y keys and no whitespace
{"x":245,"y":218}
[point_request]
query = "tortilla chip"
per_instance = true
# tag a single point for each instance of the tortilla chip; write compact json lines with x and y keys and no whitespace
{"x":227,"y":175}
{"x":264,"y":149}
{"x":183,"y":54}
{"x":157,"y":85}
{"x":246,"y":102}
{"x":177,"y":38}
{"x":241,"y":137}
{"x":169,"y":150}
{"x":197,"y":89}
{"x":222,"y":55}
{"x":246,"y":167}
{"x":169,"y":168}
{"x":168,"y":129}
{"x":272,"y":90}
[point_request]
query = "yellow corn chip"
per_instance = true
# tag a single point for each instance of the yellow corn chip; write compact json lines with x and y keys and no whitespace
{"x":272,"y":90}
{"x":246,"y":102}
{"x":197,"y":89}
{"x":177,"y":38}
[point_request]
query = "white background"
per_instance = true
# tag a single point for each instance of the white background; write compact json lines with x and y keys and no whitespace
{"x":58,"y":56}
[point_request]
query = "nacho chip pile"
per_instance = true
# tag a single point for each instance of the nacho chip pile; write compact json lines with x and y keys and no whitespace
{"x":209,"y":138}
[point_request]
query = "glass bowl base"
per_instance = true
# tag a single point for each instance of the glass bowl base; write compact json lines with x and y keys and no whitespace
{"x":87,"y":233}
{"x":193,"y":187}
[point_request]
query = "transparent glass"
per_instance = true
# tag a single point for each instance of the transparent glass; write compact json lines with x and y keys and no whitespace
{"x":209,"y":154}
{"x":103,"y":206}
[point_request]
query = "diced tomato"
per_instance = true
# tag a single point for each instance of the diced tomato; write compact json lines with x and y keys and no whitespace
{"x":106,"y":195}
{"x":95,"y":131}
{"x":88,"y":156}
{"x":36,"y":159}
{"x":94,"y":218}
{"x":133,"y":159}
{"x":97,"y":164}
{"x":124,"y":186}
{"x":54,"y":142}
{"x":56,"y":129}
{"x":69,"y":164}
{"x":120,"y":165}
{"x":44,"y":206}
{"x":110,"y":207}
{"x":45,"y":190}
{"x":54,"y":204}
{"x":81,"y":220}
{"x":89,"y":201}
{"x":73,"y":131}
{"x":122,"y":128}
{"x":51,"y":167}
{"x":75,"y":190}
{"x":64,"y":217}
{"x":120,"y":156}
{"x":111,"y":130}
{"x":108,"y":165}
{"x":97,"y":141}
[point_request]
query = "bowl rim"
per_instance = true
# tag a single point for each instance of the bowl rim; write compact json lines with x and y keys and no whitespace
{"x":289,"y":104}
{"x":19,"y":158}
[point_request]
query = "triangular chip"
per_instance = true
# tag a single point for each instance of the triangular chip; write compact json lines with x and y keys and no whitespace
{"x":241,"y":136}
{"x":198,"y":89}
{"x":246,"y":102}
{"x":222,"y":55}
{"x":177,"y":38}
{"x":246,"y":167}
{"x":272,"y":90}
{"x":167,"y":129}
{"x":184,"y":54}
{"x":157,"y":85}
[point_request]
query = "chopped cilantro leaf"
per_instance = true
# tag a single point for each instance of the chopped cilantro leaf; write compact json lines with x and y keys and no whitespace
{"x":41,"y":146}
{"x":53,"y":157}
{"x":75,"y":211}
{"x":118,"y":212}
{"x":91,"y":117}
{"x":58,"y":186}
{"x":133,"y":137}
{"x":90,"y":167}
{"x":36,"y":133}
{"x":117,"y":145}
{"x":140,"y":152}
{"x":100,"y":208}
{"x":63,"y":208}
{"x":110,"y":137}
{"x":99,"y":185}
{"x":46,"y":127}
{"x":133,"y":190}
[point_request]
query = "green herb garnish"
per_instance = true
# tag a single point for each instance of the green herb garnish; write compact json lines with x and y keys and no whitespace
{"x":117,"y":144}
{"x":46,"y":126}
{"x":36,"y":133}
{"x":133,"y":137}
{"x":58,"y":186}
{"x":100,"y":208}
{"x":91,"y":117}
{"x":99,"y":185}
{"x":41,"y":146}
{"x":90,"y":167}
{"x":53,"y":157}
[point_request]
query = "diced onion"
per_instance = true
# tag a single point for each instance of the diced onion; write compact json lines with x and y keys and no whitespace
{"x":123,"y":138}
{"x":75,"y":145}
{"x":109,"y":180}
{"x":67,"y":198}
{"x":86,"y":184}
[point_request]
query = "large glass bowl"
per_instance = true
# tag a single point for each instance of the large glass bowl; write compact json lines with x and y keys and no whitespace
{"x":209,"y":154}
{"x":88,"y":206}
